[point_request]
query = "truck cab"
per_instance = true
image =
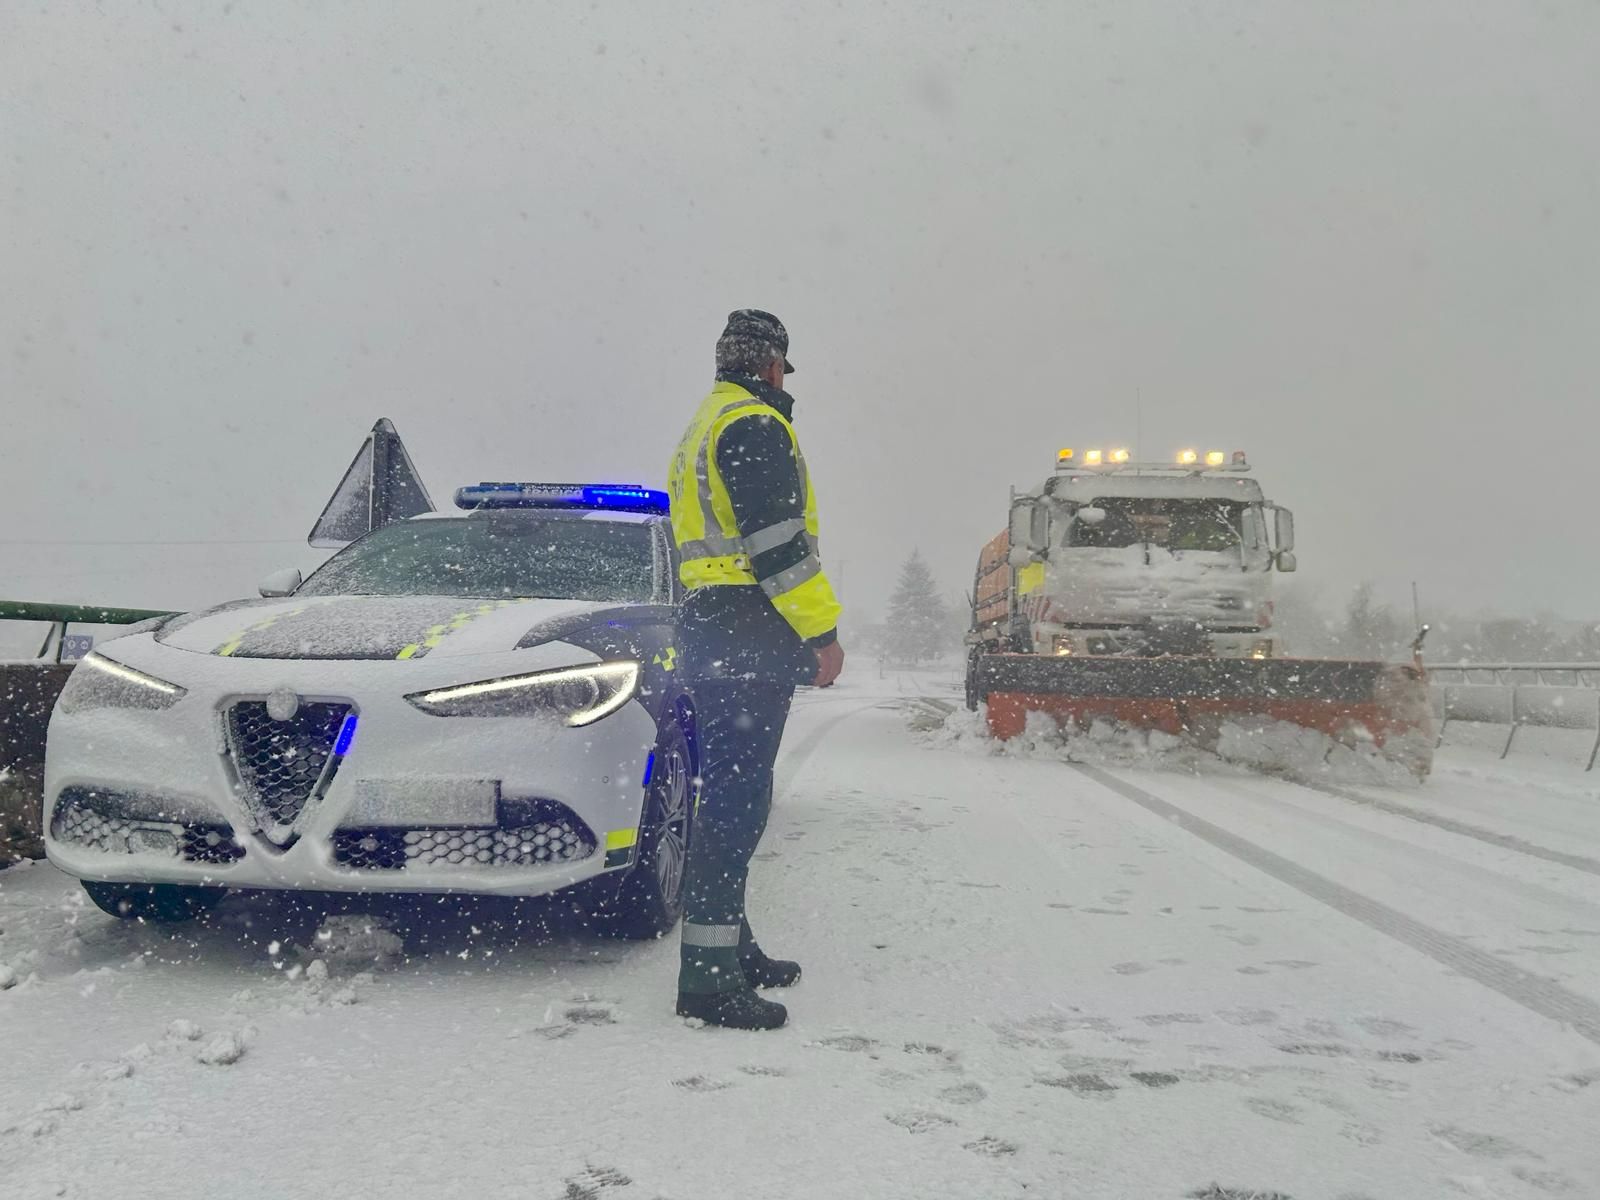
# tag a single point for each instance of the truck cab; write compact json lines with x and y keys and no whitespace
{"x":1110,"y":557}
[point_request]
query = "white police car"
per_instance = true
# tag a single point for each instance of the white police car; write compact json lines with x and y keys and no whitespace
{"x":482,"y":702}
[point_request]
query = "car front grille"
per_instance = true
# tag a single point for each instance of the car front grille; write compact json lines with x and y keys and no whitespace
{"x":283,"y":765}
{"x":556,"y":836}
{"x":97,"y":821}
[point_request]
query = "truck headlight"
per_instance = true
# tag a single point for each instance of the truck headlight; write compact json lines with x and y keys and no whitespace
{"x":577,"y":695}
{"x":1063,"y":644}
{"x":101,"y":682}
{"x":1261,"y":649}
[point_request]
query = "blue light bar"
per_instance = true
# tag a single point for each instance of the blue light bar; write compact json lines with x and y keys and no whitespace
{"x":610,"y":497}
{"x":347,"y":734}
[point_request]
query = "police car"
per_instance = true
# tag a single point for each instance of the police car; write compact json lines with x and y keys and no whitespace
{"x":482,"y":702}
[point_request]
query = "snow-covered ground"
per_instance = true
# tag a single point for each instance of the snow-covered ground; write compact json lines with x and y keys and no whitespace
{"x":1025,"y":976}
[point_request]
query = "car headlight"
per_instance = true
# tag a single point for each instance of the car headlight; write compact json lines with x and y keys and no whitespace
{"x":101,"y":682}
{"x":577,"y":695}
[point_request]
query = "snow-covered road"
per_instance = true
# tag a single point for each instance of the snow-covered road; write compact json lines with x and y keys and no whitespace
{"x":1024,"y":977}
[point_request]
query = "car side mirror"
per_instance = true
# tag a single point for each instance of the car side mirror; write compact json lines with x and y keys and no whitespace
{"x":1286,"y":560}
{"x":1283,"y":529}
{"x":1091,"y":516}
{"x":280,"y":583}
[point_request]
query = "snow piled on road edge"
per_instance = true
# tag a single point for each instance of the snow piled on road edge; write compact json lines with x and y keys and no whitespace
{"x":1243,"y":746}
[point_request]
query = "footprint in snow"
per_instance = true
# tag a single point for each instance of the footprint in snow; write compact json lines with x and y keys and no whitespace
{"x":1153,"y":1079}
{"x":1273,"y":1110}
{"x":963,"y":1093}
{"x":850,"y":1043}
{"x":918,"y":1120}
{"x":990,"y":1147}
{"x":591,"y":1182}
{"x":1479,"y":1145}
{"x":1080,"y":1084}
{"x":764,"y":1071}
{"x":1173,"y":1019}
{"x":1129,"y":968}
{"x":1545,"y":1181}
{"x":700,"y":1083}
{"x":590,"y":1014}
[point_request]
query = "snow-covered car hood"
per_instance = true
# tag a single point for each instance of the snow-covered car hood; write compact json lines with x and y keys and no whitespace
{"x":364,"y":627}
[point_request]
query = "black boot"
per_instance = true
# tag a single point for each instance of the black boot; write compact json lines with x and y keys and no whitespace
{"x":763,"y":972}
{"x":742,"y":1009}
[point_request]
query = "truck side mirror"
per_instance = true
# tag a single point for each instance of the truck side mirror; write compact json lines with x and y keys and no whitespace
{"x":280,"y":583}
{"x":1029,"y":530}
{"x":1286,"y":560}
{"x":1090,"y":515}
{"x":1283,"y":529}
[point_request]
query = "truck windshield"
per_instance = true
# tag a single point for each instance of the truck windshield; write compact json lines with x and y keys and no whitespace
{"x":513,"y":554}
{"x":1171,"y":524}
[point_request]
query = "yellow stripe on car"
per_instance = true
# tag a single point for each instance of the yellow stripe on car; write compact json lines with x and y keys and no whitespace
{"x":438,"y":633}
{"x":621,"y":839}
{"x":231,"y":647}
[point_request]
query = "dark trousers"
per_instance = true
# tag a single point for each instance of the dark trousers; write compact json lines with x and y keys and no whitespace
{"x":738,"y":727}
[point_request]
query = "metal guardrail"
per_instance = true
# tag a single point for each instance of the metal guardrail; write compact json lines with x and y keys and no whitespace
{"x":1549,"y":695}
{"x":59,"y":616}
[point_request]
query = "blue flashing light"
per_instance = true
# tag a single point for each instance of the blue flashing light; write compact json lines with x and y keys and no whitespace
{"x":611,"y":497}
{"x":649,"y":768}
{"x":347,"y":734}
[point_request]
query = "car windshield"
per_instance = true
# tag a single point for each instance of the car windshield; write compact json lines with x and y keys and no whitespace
{"x":495,"y":556}
{"x":1171,"y":524}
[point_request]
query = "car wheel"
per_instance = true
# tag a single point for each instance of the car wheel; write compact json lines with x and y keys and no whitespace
{"x":163,"y":902}
{"x":648,"y":902}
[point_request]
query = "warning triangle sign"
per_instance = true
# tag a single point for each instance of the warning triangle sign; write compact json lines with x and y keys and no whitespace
{"x":380,"y":486}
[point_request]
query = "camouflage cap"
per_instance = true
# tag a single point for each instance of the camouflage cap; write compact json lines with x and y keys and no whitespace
{"x":751,"y":340}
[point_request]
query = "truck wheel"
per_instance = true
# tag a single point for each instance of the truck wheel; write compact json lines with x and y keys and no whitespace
{"x":648,"y":900}
{"x":974,"y":696}
{"x":166,"y":903}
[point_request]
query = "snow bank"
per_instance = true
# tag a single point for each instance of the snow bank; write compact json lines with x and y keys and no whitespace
{"x":1254,"y":744}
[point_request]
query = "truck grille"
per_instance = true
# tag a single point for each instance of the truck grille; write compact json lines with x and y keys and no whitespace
{"x":93,"y":820}
{"x":558,"y":837}
{"x":283,"y":766}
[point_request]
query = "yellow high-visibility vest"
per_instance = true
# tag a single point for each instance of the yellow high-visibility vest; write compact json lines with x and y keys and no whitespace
{"x":703,"y":524}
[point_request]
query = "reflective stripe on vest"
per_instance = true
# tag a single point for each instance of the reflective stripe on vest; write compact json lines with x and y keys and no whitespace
{"x":703,"y":523}
{"x":707,"y":533}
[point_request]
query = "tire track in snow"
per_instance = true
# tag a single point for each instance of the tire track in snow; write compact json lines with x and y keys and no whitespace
{"x":1504,"y":841}
{"x":789,"y":764}
{"x":1533,"y":992}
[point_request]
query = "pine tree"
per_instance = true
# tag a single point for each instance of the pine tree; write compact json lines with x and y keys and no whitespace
{"x":917,"y":625}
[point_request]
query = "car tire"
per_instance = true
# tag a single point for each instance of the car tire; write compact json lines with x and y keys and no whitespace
{"x":648,"y":901}
{"x":166,"y":903}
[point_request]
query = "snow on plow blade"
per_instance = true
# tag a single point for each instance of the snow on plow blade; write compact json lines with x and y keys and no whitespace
{"x":1385,"y":704}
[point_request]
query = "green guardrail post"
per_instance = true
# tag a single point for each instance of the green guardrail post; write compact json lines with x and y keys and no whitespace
{"x":76,"y":614}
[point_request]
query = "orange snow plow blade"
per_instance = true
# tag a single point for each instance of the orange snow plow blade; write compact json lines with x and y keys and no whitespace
{"x":1385,"y":704}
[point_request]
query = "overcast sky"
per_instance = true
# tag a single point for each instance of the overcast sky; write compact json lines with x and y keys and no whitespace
{"x":1359,"y":240}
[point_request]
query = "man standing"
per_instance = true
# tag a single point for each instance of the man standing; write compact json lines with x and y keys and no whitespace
{"x":760,"y":618}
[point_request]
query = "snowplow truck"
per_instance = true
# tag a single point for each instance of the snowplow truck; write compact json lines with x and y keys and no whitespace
{"x":1141,"y":594}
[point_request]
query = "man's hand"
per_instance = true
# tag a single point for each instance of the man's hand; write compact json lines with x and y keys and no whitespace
{"x":830,"y":661}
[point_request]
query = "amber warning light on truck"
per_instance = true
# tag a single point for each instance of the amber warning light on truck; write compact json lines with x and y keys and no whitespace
{"x":1120,"y":457}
